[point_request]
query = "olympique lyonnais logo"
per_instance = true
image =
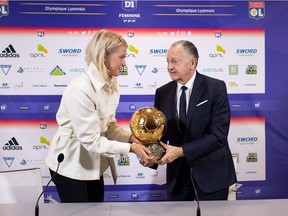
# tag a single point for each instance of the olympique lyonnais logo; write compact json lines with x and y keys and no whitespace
{"x":4,"y":8}
{"x":129,"y":5}
{"x":256,"y":10}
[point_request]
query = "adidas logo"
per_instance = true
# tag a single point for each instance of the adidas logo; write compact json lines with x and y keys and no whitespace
{"x":12,"y":145}
{"x":9,"y":52}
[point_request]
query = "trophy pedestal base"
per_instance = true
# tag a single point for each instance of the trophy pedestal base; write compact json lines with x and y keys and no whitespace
{"x":157,"y":150}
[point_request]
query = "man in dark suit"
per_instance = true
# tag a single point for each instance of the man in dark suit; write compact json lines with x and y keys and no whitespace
{"x":196,"y":146}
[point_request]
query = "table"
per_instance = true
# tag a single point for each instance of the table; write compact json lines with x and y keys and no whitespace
{"x":272,"y":207}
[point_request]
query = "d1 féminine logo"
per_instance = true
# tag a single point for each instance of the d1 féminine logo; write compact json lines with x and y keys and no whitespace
{"x":129,"y":5}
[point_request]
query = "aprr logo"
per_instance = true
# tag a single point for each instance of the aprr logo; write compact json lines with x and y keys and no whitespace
{"x":220,"y":50}
{"x":129,"y":5}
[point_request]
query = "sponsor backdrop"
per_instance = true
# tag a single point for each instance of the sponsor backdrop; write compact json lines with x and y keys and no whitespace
{"x":42,"y":46}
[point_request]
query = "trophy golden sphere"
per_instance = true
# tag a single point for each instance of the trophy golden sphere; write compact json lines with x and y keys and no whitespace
{"x":148,"y":125}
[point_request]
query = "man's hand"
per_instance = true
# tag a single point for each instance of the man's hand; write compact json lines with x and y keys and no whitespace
{"x":147,"y":164}
{"x":172,"y":153}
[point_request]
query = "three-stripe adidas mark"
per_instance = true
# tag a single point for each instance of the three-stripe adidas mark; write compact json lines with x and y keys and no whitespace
{"x":9,"y":52}
{"x":9,"y":49}
{"x":12,"y":145}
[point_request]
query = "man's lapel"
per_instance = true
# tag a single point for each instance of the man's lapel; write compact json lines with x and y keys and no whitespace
{"x":197,"y":90}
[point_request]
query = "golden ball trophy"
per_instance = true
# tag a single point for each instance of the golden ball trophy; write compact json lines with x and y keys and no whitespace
{"x":148,"y":124}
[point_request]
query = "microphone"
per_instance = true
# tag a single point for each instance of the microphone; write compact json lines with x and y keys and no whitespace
{"x":60,"y":158}
{"x":196,"y":195}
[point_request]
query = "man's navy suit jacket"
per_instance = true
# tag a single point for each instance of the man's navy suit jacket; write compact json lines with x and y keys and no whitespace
{"x":205,"y":142}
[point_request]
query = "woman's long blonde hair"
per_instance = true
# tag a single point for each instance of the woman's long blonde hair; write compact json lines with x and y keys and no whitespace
{"x":103,"y":44}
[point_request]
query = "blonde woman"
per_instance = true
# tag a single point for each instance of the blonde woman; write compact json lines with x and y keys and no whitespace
{"x":87,"y":134}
